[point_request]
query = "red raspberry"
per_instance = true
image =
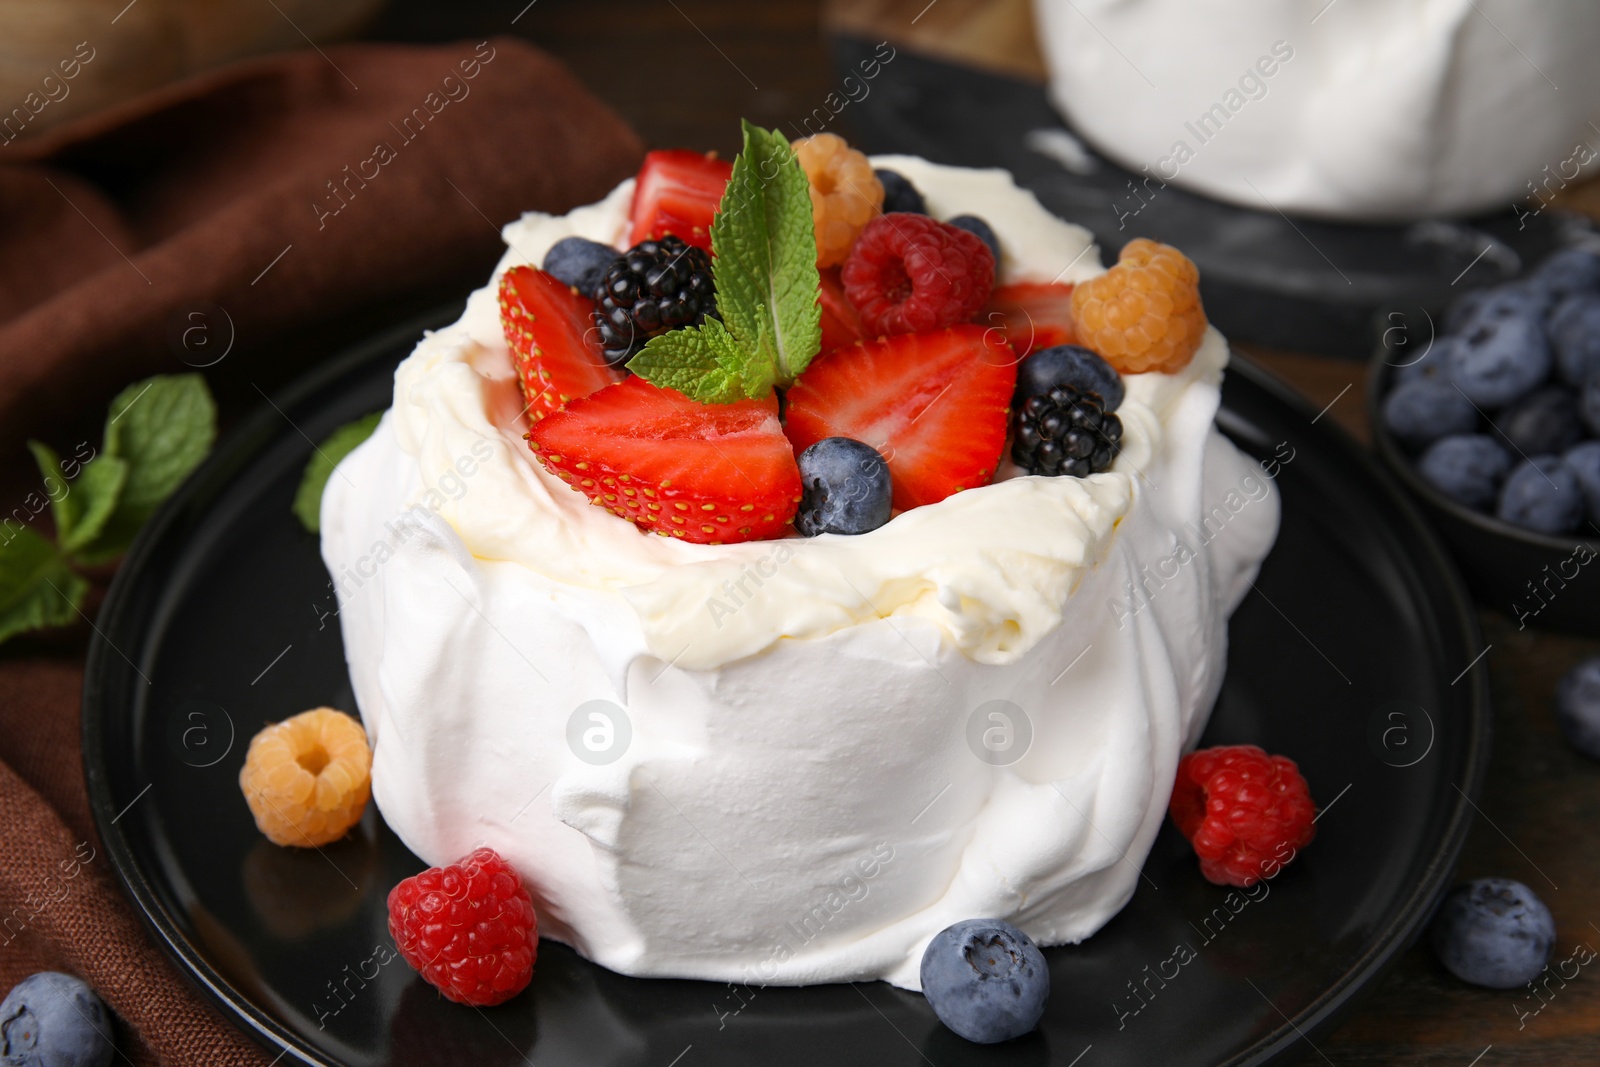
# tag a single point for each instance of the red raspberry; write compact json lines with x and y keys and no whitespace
{"x":468,"y":928}
{"x":911,"y":274}
{"x":1246,"y":813}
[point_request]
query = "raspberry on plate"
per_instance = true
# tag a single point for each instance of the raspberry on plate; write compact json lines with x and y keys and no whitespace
{"x":912,"y":274}
{"x":307,"y":778}
{"x":469,"y":928}
{"x":1143,"y":314}
{"x":548,"y":330}
{"x":934,"y":404}
{"x":1246,"y":813}
{"x":845,"y":193}
{"x":707,"y":473}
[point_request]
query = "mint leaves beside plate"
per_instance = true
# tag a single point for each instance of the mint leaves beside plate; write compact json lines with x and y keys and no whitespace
{"x":157,"y":432}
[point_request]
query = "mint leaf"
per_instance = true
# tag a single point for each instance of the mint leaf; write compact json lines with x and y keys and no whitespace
{"x":704,"y":363}
{"x":765,"y":270}
{"x":766,"y":256}
{"x":82,"y":506}
{"x":37,"y":589}
{"x":342,"y":442}
{"x":160,"y":429}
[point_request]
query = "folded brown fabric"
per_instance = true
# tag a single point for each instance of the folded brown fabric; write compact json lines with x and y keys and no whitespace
{"x":283,"y":191}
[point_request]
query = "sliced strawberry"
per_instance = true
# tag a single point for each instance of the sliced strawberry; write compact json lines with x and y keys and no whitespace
{"x":708,"y":473}
{"x":1033,"y":315}
{"x":552,"y":339}
{"x":840,"y":324}
{"x":678,"y":192}
{"x":933,"y":403}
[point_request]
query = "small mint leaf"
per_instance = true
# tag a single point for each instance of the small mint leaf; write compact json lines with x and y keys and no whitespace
{"x":340,"y":443}
{"x":161,"y":428}
{"x":55,"y":486}
{"x":91,"y":500}
{"x":37,"y":588}
{"x":766,"y":257}
{"x":704,"y":363}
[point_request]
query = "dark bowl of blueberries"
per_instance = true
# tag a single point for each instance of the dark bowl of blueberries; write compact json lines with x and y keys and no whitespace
{"x":1493,"y":424}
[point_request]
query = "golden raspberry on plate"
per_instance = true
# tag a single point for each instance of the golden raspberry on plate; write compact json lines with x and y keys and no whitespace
{"x":845,"y":194}
{"x":1143,"y":314}
{"x":307,"y":778}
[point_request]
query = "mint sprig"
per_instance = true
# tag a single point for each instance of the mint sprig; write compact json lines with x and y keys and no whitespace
{"x":765,"y":271}
{"x":157,"y":431}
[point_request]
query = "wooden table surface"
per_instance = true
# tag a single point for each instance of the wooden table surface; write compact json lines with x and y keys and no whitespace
{"x":684,"y":71}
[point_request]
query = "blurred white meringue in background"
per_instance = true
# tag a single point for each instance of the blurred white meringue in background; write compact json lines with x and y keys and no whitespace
{"x":1365,"y":110}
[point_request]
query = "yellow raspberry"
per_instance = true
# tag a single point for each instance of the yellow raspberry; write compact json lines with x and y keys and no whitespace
{"x":1143,"y":314}
{"x":845,"y":194}
{"x":307,"y":779}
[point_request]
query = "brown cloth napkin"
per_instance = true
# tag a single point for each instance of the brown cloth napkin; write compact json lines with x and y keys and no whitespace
{"x":284,"y":191}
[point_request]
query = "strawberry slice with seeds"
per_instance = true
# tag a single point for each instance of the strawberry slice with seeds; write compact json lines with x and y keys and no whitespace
{"x":841,"y":325}
{"x":678,"y":192}
{"x":707,"y":473}
{"x":551,"y":334}
{"x":1033,"y":315}
{"x":935,"y":404}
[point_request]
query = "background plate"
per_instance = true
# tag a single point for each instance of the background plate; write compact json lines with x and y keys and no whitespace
{"x":222,"y":619}
{"x":1297,"y":283}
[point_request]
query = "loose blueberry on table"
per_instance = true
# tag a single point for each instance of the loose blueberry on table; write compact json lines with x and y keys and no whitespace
{"x":1493,"y":932}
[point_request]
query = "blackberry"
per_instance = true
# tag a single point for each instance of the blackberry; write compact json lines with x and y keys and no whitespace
{"x":653,"y":287}
{"x":1065,"y":431}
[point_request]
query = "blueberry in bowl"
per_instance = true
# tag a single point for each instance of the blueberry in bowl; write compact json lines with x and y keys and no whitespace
{"x":1495,"y":430}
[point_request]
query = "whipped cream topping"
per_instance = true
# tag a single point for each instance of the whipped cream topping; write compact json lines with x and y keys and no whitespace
{"x":780,"y":762}
{"x":1358,"y":109}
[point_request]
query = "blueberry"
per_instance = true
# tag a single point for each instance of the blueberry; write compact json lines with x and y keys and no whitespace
{"x":51,"y":1019}
{"x":1544,"y":421}
{"x":1589,"y":403}
{"x":899,"y":194}
{"x":1542,"y":494}
{"x":1500,"y":357}
{"x":1493,"y":932}
{"x":979,"y":229}
{"x":1071,"y":365}
{"x":1462,"y":310}
{"x":1421,"y":412}
{"x":1432,"y":365}
{"x":1578,"y":706}
{"x":845,"y":488}
{"x":1496,"y":303}
{"x":1574,"y":330}
{"x":1467,"y":468}
{"x":986,"y":980}
{"x":1584,"y":459}
{"x":580,"y":262}
{"x":1571,"y":270}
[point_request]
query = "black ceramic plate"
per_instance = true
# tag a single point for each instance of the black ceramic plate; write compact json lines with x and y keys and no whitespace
{"x":1355,"y":655}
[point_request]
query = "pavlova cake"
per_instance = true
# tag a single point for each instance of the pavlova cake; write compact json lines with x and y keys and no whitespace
{"x":783,"y":562}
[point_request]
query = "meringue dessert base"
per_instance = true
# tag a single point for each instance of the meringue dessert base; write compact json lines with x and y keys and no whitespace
{"x":814,"y":753}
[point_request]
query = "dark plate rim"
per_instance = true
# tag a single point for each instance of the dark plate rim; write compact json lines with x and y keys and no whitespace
{"x":1380,"y":374}
{"x":241,"y":442}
